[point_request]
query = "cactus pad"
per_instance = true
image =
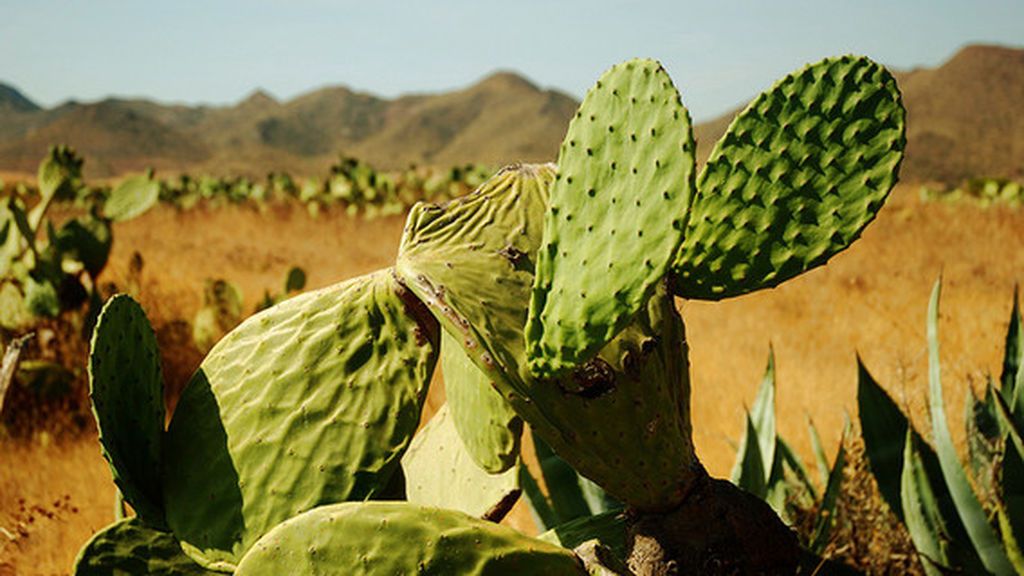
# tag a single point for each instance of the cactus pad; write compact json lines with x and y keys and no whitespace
{"x":488,"y":426}
{"x":132,"y":197}
{"x":471,"y":261}
{"x":795,"y":179}
{"x":130,"y":547}
{"x":387,"y":538}
{"x":616,"y":215}
{"x":440,"y":472}
{"x":126,"y":388}
{"x":310,"y":402}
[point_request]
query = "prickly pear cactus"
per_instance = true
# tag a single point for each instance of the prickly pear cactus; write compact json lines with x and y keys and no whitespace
{"x":489,"y":428}
{"x":309,"y":402}
{"x":615,"y":218}
{"x":132,"y":197}
{"x":59,"y":175}
{"x":386,"y":538}
{"x":126,"y":387}
{"x":129,"y":547}
{"x":471,"y":262}
{"x":795,"y":179}
{"x":440,"y":472}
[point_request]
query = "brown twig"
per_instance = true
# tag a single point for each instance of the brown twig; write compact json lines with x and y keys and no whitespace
{"x":10,"y":365}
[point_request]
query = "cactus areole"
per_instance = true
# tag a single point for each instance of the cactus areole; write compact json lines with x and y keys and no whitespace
{"x":558,"y":284}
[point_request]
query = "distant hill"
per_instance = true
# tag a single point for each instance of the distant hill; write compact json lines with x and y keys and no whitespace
{"x":965,"y":118}
{"x":501,"y":119}
{"x":11,"y":100}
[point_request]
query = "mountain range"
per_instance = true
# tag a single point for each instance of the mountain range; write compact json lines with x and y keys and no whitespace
{"x":965,"y":118}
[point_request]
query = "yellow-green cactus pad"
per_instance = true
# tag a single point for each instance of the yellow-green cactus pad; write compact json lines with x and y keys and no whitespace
{"x":312,"y":401}
{"x":622,"y":419}
{"x":129,"y":548}
{"x":795,"y":179}
{"x":389,"y":538}
{"x":126,"y":388}
{"x":132,"y":197}
{"x":615,"y":218}
{"x":488,"y":426}
{"x":440,"y":472}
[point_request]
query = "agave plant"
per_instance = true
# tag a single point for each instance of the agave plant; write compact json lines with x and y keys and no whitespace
{"x":930,"y":490}
{"x":767,"y":466}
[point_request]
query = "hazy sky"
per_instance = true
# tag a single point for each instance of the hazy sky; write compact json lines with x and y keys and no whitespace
{"x":719,"y":52}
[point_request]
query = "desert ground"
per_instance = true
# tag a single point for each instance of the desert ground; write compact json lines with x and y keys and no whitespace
{"x":870,"y":300}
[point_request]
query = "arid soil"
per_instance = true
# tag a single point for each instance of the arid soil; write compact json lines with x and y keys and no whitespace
{"x":870,"y":300}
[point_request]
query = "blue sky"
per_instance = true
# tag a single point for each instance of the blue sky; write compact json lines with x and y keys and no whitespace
{"x":720,"y":53}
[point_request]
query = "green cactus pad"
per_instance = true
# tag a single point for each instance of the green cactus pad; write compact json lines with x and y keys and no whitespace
{"x":795,"y":179}
{"x":126,"y":387}
{"x":388,"y":538}
{"x":132,"y":197}
{"x":310,"y":402}
{"x":87,"y":240}
{"x":440,"y":472}
{"x":128,"y":547}
{"x":488,"y":426}
{"x":471,"y":261}
{"x":616,"y":215}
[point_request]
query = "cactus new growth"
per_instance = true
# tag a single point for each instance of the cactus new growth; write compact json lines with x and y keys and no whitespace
{"x":554,"y":286}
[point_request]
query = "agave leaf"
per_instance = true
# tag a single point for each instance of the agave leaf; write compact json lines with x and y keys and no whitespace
{"x":881,"y":421}
{"x":827,"y":511}
{"x":1010,"y":505}
{"x":982,"y":429}
{"x":981,"y":534}
{"x":1012,"y":430}
{"x":884,"y":428}
{"x":922,"y":515}
{"x":597,"y":499}
{"x":797,"y":466}
{"x":750,"y":475}
{"x":1013,"y":350}
{"x":608,"y":527}
{"x":762,"y":415}
{"x":819,"y":452}
{"x":540,"y":507}
{"x":562,"y":483}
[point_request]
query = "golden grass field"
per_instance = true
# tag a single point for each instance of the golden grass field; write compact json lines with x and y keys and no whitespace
{"x":869,"y":300}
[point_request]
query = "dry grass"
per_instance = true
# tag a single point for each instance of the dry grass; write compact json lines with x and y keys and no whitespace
{"x":871,"y":299}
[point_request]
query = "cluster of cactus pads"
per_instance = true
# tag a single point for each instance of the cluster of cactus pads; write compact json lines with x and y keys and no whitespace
{"x":46,"y":269}
{"x":548,"y":295}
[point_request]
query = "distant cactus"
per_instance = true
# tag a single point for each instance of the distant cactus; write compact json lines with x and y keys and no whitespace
{"x":46,"y":269}
{"x":556,"y":284}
